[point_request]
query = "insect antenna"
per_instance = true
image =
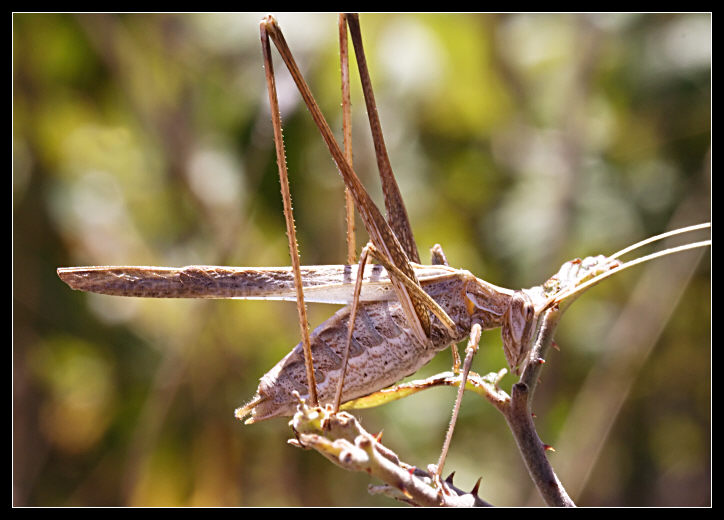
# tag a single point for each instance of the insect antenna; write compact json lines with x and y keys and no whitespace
{"x":616,"y":266}
{"x":656,"y":238}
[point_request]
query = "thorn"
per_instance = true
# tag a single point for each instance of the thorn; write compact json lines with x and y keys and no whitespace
{"x":533,"y":415}
{"x":378,"y":437}
{"x":449,"y":478}
{"x":476,"y":487}
{"x":540,"y":361}
{"x":555,"y":346}
{"x":548,"y":447}
{"x":411,"y":470}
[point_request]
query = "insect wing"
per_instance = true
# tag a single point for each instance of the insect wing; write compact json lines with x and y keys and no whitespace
{"x":322,"y":284}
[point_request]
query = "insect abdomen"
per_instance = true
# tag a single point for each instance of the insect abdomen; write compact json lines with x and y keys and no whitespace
{"x":384,"y":349}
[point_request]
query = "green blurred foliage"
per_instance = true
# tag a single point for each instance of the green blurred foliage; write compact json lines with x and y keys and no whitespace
{"x":519,"y":142}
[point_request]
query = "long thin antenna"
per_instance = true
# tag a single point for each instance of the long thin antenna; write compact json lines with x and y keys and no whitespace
{"x":560,"y":297}
{"x":679,"y":231}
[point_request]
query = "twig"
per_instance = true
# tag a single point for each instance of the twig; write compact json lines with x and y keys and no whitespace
{"x":537,"y":356}
{"x":533,"y":450}
{"x":341,"y":439}
{"x":519,"y":417}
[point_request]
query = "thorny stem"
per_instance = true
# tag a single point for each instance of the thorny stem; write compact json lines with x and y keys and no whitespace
{"x":533,"y":450}
{"x":537,"y":355}
{"x":341,"y":439}
{"x":520,"y":420}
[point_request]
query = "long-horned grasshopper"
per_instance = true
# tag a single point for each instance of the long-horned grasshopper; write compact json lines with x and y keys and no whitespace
{"x":412,"y":332}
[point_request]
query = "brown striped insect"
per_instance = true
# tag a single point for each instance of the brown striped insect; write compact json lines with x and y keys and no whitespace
{"x":406,"y":312}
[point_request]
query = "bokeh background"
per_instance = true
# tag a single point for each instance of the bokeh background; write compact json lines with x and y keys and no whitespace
{"x":519,"y":142}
